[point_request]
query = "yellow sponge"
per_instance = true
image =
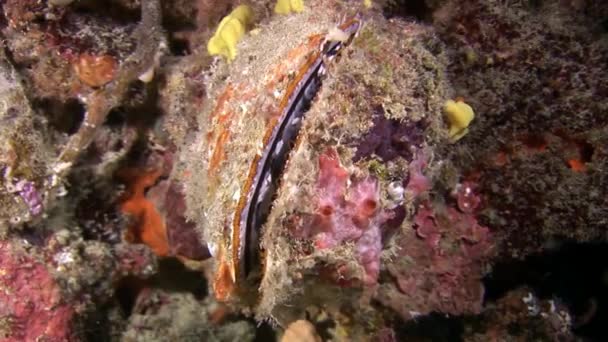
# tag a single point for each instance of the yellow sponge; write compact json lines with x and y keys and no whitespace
{"x":288,"y":6}
{"x":230,"y":30}
{"x":459,"y":115}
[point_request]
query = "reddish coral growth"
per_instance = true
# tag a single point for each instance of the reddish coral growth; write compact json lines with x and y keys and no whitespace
{"x":32,"y":305}
{"x":332,"y":178}
{"x":348,"y":214}
{"x":21,"y":13}
{"x":575,"y":152}
{"x":149,"y":226}
{"x":577,"y":165}
{"x":95,"y":71}
{"x":440,"y":265}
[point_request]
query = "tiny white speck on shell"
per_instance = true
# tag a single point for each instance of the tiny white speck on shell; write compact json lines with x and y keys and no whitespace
{"x":337,"y":35}
{"x":396,"y":191}
{"x":212,"y":247}
{"x":147,"y":75}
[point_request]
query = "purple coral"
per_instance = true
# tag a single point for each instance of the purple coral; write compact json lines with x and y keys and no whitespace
{"x":390,"y":138}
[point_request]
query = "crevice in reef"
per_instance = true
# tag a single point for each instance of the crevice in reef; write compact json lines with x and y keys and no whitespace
{"x":179,"y":47}
{"x":142,"y":108}
{"x":109,"y":9}
{"x":98,"y":326}
{"x":417,"y":9}
{"x":574,"y":273}
{"x":433,"y":327}
{"x":264,"y":332}
{"x":172,"y":277}
{"x":65,"y":117}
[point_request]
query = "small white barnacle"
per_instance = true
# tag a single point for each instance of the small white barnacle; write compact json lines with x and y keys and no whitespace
{"x":62,"y":191}
{"x":236,"y":195}
{"x":396,"y":191}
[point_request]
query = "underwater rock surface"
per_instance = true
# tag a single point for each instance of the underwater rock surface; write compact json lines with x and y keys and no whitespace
{"x":356,"y":170}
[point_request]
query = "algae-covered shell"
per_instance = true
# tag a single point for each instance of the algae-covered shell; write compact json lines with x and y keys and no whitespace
{"x":379,"y":70}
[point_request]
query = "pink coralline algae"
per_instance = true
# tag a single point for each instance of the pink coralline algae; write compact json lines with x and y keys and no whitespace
{"x":32,"y":308}
{"x":418,"y":183}
{"x":348,"y":213}
{"x":441,"y":264}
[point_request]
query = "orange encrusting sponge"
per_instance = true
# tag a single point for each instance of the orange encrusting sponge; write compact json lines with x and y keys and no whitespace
{"x":149,"y":226}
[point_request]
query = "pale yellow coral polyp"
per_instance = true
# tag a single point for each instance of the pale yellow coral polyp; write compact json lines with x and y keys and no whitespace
{"x":230,"y":30}
{"x":459,"y":115}
{"x":288,"y":6}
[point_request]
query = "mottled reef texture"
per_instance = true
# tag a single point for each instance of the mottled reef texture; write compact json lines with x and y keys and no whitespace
{"x":125,"y":149}
{"x":538,"y":147}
